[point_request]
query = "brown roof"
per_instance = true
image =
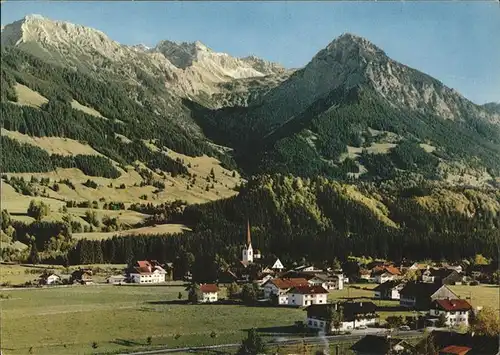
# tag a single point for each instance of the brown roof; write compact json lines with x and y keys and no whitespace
{"x":453,"y":305}
{"x":209,"y":288}
{"x":289,"y":283}
{"x":308,"y":290}
{"x":392,"y":270}
{"x":455,"y":350}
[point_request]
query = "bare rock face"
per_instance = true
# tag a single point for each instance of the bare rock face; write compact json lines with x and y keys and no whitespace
{"x":185,"y":69}
{"x":350,"y":61}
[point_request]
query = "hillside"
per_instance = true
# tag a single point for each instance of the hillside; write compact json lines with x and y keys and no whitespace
{"x":354,"y":151}
{"x":351,"y":95}
{"x":320,"y":219}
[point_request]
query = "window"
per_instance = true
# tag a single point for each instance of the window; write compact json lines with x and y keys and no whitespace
{"x":310,"y":322}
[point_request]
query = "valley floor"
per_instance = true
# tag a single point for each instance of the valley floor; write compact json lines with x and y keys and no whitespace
{"x":69,"y":320}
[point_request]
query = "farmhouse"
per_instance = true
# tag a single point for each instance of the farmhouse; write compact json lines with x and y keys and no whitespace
{"x":147,"y":272}
{"x":389,"y":290}
{"x":325,"y":280}
{"x":115,"y":279}
{"x":81,"y":276}
{"x":383,"y":274}
{"x":351,"y":314}
{"x":279,"y":287}
{"x":307,"y":268}
{"x":307,"y":295}
{"x":381,"y":345}
{"x":49,"y":279}
{"x":419,"y":267}
{"x":208,"y":293}
{"x":442,"y":276}
{"x":456,"y":311}
{"x":419,"y":295}
{"x":365,"y":274}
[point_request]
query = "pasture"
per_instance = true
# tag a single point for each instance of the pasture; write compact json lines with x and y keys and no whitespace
{"x":106,"y":319}
{"x":68,"y":320}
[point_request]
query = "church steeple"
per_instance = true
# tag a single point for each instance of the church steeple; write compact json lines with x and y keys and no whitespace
{"x":249,"y":238}
{"x":247,"y":256}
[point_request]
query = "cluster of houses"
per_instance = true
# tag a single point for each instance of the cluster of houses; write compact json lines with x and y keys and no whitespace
{"x":143,"y":272}
{"x":444,"y":343}
{"x":81,"y":276}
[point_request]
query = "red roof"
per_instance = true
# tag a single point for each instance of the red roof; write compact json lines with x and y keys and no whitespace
{"x":308,"y":290}
{"x":456,"y":350}
{"x":454,"y":305}
{"x":143,"y":263}
{"x":206,"y":288}
{"x":289,"y":283}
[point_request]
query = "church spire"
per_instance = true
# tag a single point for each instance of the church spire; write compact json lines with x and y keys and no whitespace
{"x":249,"y":239}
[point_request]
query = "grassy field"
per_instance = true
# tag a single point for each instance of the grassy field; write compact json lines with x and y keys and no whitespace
{"x":28,"y":97}
{"x":120,"y":318}
{"x":15,"y":275}
{"x":484,"y":295}
{"x":67,"y":320}
{"x":158,"y":229}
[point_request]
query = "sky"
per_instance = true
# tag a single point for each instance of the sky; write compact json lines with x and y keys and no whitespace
{"x":455,"y":42}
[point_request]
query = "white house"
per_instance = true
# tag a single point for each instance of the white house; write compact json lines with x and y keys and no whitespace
{"x":147,"y":272}
{"x":335,"y":282}
{"x":115,"y":279}
{"x":277,"y":266}
{"x":50,"y":279}
{"x":456,"y":311}
{"x":208,"y":293}
{"x":353,"y":314}
{"x":279,"y":287}
{"x":389,"y":290}
{"x":385,"y":273}
{"x":365,"y":275}
{"x":307,"y":295}
{"x":420,"y":295}
{"x":307,"y":268}
{"x":263,"y":279}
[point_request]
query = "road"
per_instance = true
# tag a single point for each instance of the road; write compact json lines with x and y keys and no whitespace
{"x":317,"y":340}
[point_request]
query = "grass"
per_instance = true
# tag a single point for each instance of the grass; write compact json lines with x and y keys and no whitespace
{"x":28,"y":97}
{"x":120,"y":318}
{"x":53,"y":145}
{"x":158,"y":229}
{"x":483,"y":295}
{"x":88,"y":110}
{"x":15,"y":275}
{"x":68,"y":320}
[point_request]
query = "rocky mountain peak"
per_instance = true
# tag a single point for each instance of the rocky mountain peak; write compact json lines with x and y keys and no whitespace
{"x":183,"y":54}
{"x":36,"y":28}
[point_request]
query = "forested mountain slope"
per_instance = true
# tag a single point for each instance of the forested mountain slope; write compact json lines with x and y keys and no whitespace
{"x":354,"y":153}
{"x":351,"y":96}
{"x":322,"y":219}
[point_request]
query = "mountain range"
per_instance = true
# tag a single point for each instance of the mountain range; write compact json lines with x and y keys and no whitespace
{"x":352,"y":152}
{"x":351,"y":112}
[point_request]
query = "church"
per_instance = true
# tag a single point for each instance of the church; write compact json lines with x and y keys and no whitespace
{"x":253,"y":256}
{"x":248,"y":254}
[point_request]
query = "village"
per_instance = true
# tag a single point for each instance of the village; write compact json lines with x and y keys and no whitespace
{"x":406,"y":298}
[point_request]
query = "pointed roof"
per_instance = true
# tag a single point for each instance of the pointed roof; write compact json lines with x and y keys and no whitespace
{"x":249,"y":239}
